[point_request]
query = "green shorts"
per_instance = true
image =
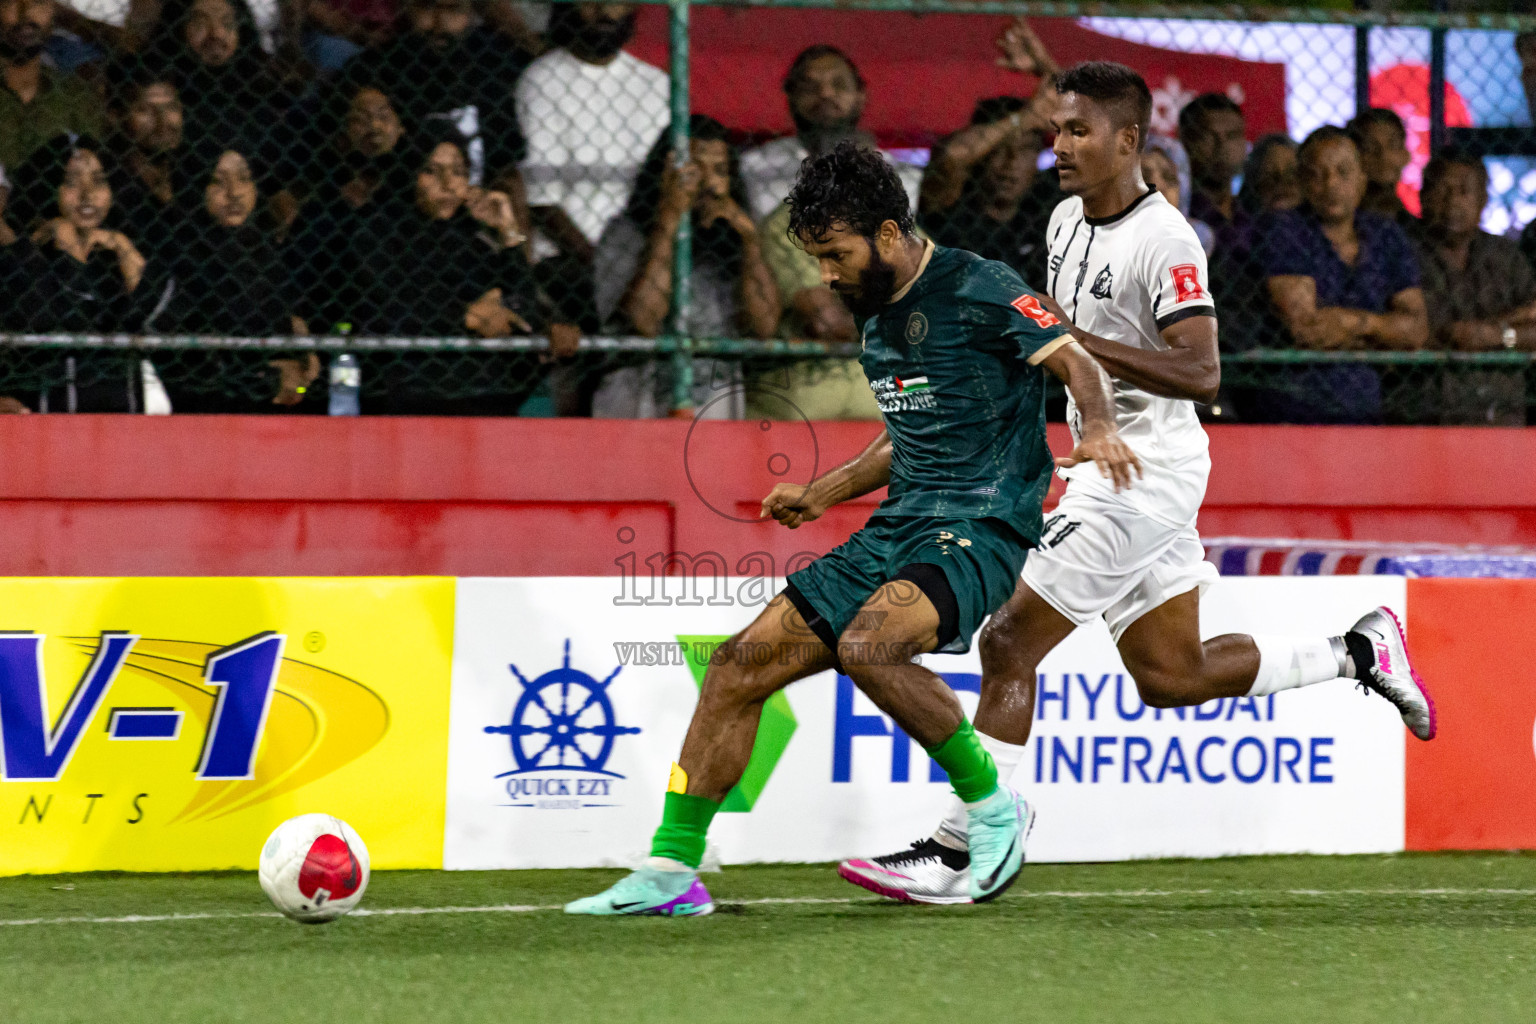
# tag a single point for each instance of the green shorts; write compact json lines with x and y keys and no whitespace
{"x":980,"y":559}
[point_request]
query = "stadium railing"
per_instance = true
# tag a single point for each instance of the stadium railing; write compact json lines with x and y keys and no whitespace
{"x":1448,"y":75}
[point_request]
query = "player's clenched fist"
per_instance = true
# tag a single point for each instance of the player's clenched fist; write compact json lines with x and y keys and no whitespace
{"x":1107,"y":451}
{"x":792,"y":504}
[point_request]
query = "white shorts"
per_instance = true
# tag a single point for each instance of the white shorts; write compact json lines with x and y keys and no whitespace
{"x":1100,"y":557}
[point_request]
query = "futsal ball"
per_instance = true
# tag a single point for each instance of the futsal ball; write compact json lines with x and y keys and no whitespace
{"x":314,"y":868}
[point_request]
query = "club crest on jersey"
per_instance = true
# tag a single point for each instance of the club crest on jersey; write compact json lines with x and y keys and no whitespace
{"x":917,"y":329}
{"x":1186,"y":282}
{"x":1102,"y":284}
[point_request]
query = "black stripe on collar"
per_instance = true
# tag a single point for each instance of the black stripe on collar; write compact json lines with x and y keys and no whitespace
{"x":1099,"y":222}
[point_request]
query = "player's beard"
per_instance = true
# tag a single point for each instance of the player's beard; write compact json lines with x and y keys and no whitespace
{"x":877,"y":283}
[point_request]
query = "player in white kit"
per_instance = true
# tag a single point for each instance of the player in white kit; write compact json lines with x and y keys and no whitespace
{"x":1127,"y":271}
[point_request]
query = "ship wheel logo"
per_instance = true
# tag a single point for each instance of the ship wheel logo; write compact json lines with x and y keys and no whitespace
{"x":563,"y":721}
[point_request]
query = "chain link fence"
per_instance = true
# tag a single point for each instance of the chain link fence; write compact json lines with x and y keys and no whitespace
{"x":487,"y":205}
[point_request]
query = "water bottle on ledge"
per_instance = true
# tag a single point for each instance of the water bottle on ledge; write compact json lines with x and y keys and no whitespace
{"x":346,"y":385}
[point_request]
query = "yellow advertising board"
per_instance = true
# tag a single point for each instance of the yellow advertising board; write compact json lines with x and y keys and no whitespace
{"x":170,"y":724}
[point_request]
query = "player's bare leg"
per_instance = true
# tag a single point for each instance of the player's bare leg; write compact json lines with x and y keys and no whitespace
{"x":774,"y":651}
{"x":898,"y":623}
{"x":1015,"y":640}
{"x":1012,"y":645}
{"x":1172,"y":668}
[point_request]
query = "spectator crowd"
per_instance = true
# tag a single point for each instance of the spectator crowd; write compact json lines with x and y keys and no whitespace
{"x":269,"y":168}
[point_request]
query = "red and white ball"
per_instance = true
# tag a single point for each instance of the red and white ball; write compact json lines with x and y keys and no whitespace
{"x":314,"y":868}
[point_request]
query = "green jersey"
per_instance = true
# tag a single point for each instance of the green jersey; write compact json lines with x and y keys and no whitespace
{"x":954,"y":363}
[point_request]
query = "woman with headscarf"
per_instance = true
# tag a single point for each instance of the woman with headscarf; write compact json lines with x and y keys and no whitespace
{"x":1238,"y":279}
{"x":449,"y":263}
{"x":69,"y":270}
{"x":230,"y":281}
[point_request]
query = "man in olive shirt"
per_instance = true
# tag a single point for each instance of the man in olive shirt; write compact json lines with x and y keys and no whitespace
{"x":37,"y":102}
{"x":1479,"y":291}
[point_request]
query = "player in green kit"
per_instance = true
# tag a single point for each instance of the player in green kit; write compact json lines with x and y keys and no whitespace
{"x":954,"y":347}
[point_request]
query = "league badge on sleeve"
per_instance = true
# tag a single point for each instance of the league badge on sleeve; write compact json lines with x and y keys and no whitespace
{"x":1186,"y":282}
{"x":1030,"y":306}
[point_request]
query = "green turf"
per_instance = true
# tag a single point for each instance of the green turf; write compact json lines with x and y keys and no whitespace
{"x":1249,"y":948}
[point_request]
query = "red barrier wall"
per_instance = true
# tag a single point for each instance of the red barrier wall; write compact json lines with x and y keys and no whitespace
{"x":102,"y":495}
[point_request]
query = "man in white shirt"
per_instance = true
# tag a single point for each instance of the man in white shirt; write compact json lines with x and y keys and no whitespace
{"x":591,"y":112}
{"x":1129,"y":274}
{"x":826,"y":100}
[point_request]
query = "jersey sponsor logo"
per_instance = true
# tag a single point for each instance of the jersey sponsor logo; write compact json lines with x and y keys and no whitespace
{"x":1030,"y":307}
{"x":1186,"y":282}
{"x":917,"y":329}
{"x":1103,"y":284}
{"x":893,"y":394}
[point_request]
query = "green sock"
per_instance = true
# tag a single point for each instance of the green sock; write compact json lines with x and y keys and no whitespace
{"x":971,"y":769}
{"x":684,"y":824}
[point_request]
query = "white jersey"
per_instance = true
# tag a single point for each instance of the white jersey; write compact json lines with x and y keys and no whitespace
{"x":1127,"y":278}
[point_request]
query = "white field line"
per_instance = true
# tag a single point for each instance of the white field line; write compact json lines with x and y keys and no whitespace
{"x":523,"y":908}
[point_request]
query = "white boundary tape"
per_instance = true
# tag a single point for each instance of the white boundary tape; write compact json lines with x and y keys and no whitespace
{"x":517,"y":908}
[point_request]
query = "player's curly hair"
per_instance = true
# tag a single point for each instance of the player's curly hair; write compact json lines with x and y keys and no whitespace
{"x":852,"y":187}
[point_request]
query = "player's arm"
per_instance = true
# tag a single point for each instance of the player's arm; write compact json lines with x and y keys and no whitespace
{"x":793,"y":504}
{"x":1189,"y":368}
{"x":1094,"y":396}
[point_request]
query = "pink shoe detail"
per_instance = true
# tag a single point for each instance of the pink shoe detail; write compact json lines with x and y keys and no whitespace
{"x":873,"y":886}
{"x":1403,"y":636}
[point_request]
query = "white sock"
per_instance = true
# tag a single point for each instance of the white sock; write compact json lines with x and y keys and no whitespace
{"x":1007,"y":757}
{"x":667,"y":864}
{"x":1286,"y":662}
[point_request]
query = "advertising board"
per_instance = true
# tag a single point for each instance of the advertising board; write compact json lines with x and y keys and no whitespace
{"x":169,"y":724}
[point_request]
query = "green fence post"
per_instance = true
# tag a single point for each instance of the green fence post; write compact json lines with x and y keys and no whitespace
{"x":682,"y":257}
